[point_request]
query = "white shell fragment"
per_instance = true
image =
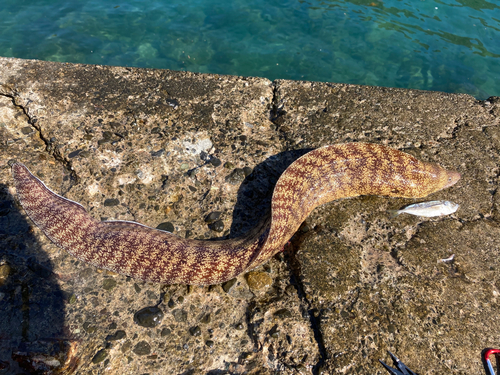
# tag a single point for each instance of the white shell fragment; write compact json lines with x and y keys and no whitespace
{"x":447,"y":260}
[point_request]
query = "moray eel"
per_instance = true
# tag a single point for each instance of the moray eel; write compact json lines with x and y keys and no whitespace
{"x":320,"y":176}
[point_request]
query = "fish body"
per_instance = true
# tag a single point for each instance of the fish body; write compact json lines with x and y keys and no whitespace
{"x":320,"y":176}
{"x":428,"y":209}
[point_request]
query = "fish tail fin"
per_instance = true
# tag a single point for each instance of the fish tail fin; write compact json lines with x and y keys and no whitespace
{"x":393,"y":213}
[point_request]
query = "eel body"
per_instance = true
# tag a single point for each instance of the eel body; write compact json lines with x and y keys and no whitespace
{"x":320,"y":176}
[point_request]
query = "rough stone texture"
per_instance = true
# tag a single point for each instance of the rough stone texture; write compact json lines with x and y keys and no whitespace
{"x":159,"y":146}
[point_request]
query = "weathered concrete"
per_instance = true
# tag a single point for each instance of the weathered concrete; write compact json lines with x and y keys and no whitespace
{"x":158,"y":146}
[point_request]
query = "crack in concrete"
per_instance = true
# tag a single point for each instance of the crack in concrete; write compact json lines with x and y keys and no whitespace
{"x":50,"y":146}
{"x":308,"y":311}
{"x":276,"y":112}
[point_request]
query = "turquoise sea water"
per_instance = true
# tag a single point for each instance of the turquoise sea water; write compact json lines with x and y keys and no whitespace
{"x":446,"y":45}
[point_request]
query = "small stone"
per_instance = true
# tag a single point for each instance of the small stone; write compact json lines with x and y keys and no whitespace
{"x":283,"y":313}
{"x":237,"y":289}
{"x":218,"y":226}
{"x":100,"y":356}
{"x":27,"y":130}
{"x":228,"y":165}
{"x":259,"y":280}
{"x":74,"y":154}
{"x":239,"y":326}
{"x":195,"y":331}
{"x":107,"y":135}
{"x":304,"y":228}
{"x":215,"y":162}
{"x":126,"y":346}
{"x":151,"y":295}
{"x":192,"y":172}
{"x":108,"y":284}
{"x":158,"y":153}
{"x":110,"y":202}
{"x":247,"y":171}
{"x":228,"y":285}
{"x":4,"y":273}
{"x":206,"y":319}
{"x":167,"y":227}
{"x":88,"y":327}
{"x":212,"y":217}
{"x":184,"y":166}
{"x":148,"y":317}
{"x":118,"y":335}
{"x":180,"y":315}
{"x":236,"y":177}
{"x":142,"y":348}
{"x":165,"y":332}
{"x":209,"y":343}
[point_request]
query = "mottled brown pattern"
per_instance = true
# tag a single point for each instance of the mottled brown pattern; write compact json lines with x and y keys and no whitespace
{"x":320,"y":176}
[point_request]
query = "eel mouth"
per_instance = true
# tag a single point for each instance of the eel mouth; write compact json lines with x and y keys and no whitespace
{"x":453,"y":178}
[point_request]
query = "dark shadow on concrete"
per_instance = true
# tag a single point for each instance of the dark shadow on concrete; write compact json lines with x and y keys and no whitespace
{"x":253,"y":205}
{"x":256,"y":191}
{"x":31,"y":301}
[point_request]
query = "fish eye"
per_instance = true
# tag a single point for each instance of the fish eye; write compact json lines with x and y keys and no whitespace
{"x":449,"y":178}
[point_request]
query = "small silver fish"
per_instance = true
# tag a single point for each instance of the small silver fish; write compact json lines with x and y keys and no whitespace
{"x":427,"y":209}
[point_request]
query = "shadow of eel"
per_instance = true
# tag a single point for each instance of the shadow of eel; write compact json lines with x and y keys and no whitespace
{"x":320,"y":176}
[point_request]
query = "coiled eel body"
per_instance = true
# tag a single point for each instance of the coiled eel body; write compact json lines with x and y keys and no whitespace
{"x":318,"y":177}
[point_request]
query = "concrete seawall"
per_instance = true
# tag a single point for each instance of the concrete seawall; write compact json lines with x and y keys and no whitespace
{"x":170,"y":148}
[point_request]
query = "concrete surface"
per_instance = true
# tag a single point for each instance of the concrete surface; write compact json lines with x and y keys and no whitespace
{"x":170,"y":148}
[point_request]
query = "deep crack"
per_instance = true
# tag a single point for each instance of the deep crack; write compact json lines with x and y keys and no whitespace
{"x":308,"y":310}
{"x":50,"y":146}
{"x":274,"y":103}
{"x":276,"y":114}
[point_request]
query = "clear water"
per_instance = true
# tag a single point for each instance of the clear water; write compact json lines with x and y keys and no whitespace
{"x":446,"y":45}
